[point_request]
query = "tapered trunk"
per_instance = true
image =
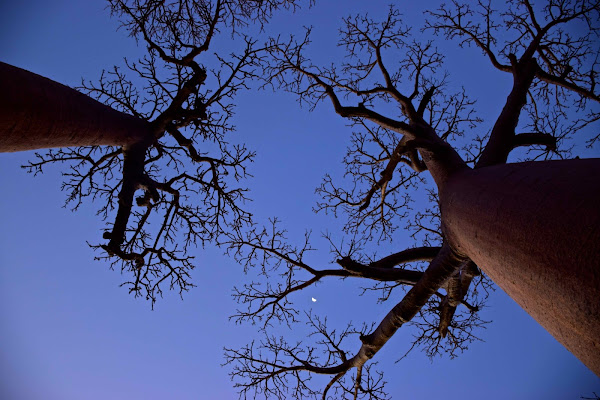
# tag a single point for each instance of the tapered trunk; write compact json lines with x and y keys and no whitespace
{"x":534,"y":228}
{"x":36,"y":113}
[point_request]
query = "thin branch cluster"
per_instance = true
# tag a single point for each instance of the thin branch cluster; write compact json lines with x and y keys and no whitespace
{"x":180,"y":186}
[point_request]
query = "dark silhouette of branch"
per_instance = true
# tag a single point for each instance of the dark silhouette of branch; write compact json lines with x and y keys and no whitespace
{"x":263,"y":372}
{"x":268,"y":249}
{"x":364,"y":41}
{"x":530,"y":139}
{"x":547,"y":55}
{"x":162,"y":193}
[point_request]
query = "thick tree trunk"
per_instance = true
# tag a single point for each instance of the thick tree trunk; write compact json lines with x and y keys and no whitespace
{"x":534,"y":228}
{"x":36,"y":113}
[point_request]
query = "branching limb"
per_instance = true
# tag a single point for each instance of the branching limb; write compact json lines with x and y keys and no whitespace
{"x":544,"y":55}
{"x":270,"y":301}
{"x":162,"y":193}
{"x":456,"y":289}
{"x":368,"y":80}
{"x":260,"y":373}
{"x":535,"y":138}
{"x":405,"y":256}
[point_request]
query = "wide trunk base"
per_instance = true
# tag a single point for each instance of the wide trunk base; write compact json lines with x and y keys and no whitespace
{"x":534,"y":229}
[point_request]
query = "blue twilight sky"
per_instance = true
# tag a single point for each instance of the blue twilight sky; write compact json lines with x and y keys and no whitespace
{"x":68,"y":332}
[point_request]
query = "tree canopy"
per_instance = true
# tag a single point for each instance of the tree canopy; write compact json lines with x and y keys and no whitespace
{"x":406,"y":119}
{"x":387,"y":186}
{"x":177,"y":184}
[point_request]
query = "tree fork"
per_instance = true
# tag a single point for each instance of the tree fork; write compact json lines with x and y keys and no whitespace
{"x":435,"y":276}
{"x":534,"y":228}
{"x":37,"y":113}
{"x":502,"y":137}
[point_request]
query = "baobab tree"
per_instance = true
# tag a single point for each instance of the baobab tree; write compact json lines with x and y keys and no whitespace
{"x":531,"y":227}
{"x":149,"y":140}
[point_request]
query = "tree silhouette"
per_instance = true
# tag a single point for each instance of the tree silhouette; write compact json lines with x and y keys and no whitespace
{"x":155,"y":153}
{"x":532,"y":226}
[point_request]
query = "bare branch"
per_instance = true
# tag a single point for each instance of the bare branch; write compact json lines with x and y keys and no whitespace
{"x":258,"y":372}
{"x":161,"y":193}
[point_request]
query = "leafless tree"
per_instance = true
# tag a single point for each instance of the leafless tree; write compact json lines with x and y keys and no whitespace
{"x":157,"y":159}
{"x":532,"y":226}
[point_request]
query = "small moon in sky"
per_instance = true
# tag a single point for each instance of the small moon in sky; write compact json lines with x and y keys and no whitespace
{"x":313,"y":299}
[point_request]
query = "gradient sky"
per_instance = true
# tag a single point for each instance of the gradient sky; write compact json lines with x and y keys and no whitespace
{"x":68,"y":332}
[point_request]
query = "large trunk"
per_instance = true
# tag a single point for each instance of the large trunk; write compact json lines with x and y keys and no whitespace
{"x":534,"y":228}
{"x":36,"y":112}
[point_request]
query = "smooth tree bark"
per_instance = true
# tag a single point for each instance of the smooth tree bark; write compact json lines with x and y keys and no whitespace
{"x":38,"y":113}
{"x":534,"y":229}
